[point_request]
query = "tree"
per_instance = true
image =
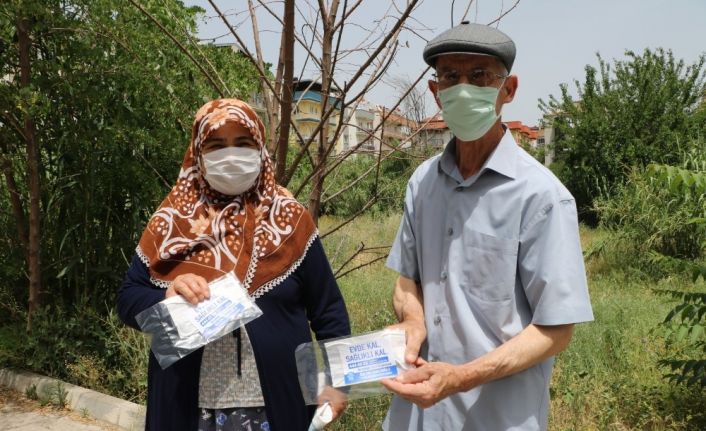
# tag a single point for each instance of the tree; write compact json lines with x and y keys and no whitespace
{"x":96,"y":106}
{"x":631,"y":113}
{"x":414,"y":106}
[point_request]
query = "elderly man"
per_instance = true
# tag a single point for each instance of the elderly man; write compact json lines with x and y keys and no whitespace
{"x":488,"y":252}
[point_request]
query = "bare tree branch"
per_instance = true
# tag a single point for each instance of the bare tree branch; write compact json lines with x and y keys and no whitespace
{"x":358,"y":250}
{"x":379,"y":258}
{"x":468,"y":8}
{"x":269,"y":109}
{"x":504,"y":13}
{"x":244,"y":48}
{"x":365,"y":207}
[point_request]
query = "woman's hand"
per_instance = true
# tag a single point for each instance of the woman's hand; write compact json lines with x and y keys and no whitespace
{"x":336,"y":399}
{"x":192,"y":287}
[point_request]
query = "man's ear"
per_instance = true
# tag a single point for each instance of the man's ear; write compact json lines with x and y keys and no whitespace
{"x":509,"y":88}
{"x":434,"y":87}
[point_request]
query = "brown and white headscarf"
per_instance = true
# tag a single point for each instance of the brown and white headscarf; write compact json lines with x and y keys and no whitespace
{"x":261,"y":235}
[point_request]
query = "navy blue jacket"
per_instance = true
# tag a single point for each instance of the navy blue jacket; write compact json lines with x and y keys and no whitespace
{"x":310,"y":296}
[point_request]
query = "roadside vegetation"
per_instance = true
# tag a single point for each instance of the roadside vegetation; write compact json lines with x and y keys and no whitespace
{"x":90,"y":144}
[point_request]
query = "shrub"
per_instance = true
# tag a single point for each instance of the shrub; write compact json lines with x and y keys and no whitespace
{"x":654,"y":215}
{"x":87,"y":348}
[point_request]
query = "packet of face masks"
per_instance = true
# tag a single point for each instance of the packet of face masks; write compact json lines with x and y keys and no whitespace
{"x":179,"y":327}
{"x":350,"y":367}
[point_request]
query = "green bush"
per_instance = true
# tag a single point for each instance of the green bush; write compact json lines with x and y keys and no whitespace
{"x":84,"y":347}
{"x":685,"y":332}
{"x":652,"y":217}
{"x":629,"y":112}
{"x":661,"y":214}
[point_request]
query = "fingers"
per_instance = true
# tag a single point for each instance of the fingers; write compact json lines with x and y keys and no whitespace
{"x":415,"y":375}
{"x":420,"y":362}
{"x":337,"y":400}
{"x":414,"y":392}
{"x":416,"y":333}
{"x":337,"y":408}
{"x":411,"y":353}
{"x":192,"y":287}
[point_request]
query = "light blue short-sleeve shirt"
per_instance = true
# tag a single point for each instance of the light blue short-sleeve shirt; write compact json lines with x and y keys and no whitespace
{"x":493,"y":253}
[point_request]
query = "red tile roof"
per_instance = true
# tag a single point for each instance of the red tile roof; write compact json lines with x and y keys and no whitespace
{"x":434,"y":123}
{"x":529,"y":132}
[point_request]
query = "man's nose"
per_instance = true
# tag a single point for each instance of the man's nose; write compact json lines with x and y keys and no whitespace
{"x":463,"y":79}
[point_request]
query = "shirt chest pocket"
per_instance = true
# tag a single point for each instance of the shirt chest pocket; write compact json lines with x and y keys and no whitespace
{"x":489,"y":266}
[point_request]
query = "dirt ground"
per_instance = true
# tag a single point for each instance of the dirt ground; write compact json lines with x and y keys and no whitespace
{"x":17,"y":412}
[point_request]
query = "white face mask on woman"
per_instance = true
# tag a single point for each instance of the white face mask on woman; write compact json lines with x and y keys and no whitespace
{"x":232,"y":170}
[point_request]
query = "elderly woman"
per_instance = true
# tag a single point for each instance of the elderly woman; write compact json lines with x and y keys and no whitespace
{"x":227,"y":214}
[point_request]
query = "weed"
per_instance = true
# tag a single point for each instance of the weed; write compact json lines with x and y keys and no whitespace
{"x":31,"y":392}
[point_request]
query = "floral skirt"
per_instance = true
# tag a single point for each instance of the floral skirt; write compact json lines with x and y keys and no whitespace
{"x":235,"y":419}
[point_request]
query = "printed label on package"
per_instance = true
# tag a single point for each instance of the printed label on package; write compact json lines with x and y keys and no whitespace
{"x":211,"y":316}
{"x":366,"y":358}
{"x":226,"y":303}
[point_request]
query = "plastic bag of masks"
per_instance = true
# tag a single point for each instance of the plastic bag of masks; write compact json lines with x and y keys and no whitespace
{"x":178,"y":327}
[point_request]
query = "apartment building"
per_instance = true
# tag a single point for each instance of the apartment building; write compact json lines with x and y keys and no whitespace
{"x":306,"y":112}
{"x":434,"y":132}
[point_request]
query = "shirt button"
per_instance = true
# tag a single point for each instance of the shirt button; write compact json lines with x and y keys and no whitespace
{"x":437,"y":320}
{"x":451,"y":231}
{"x":459,"y":188}
{"x":444,"y":275}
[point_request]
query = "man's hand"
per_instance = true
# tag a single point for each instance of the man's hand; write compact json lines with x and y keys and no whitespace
{"x":408,"y":304}
{"x":433,"y":381}
{"x":192,"y":287}
{"x":415,"y":333}
{"x":427,"y":384}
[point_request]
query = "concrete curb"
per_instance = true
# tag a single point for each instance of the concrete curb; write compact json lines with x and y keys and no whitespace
{"x":124,"y":414}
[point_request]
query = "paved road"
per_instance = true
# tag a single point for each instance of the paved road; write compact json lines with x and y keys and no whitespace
{"x":20,"y":414}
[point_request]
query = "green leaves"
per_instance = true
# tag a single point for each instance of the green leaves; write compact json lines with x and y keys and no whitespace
{"x":109,"y":91}
{"x":629,"y":113}
{"x":684,"y":329}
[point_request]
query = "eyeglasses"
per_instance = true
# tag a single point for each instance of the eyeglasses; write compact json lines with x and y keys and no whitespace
{"x":477,"y":77}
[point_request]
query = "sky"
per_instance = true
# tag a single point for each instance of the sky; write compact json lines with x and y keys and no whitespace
{"x":555,"y":39}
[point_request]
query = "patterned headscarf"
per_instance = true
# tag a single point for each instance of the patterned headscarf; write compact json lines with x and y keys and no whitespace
{"x":261,"y":235}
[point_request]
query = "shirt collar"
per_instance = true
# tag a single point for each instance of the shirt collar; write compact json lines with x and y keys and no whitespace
{"x":502,"y":160}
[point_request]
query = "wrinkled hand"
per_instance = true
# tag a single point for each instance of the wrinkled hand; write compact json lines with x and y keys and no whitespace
{"x":192,"y":287}
{"x":336,"y":399}
{"x":427,"y":384}
{"x":416,"y":333}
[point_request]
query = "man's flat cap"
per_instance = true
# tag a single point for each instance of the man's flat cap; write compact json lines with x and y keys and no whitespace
{"x":468,"y":38}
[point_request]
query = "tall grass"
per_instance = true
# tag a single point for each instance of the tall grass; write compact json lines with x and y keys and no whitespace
{"x":368,"y":295}
{"x":608,"y":378}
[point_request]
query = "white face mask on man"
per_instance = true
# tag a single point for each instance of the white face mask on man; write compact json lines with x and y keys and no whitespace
{"x":232,"y":170}
{"x":469,"y":110}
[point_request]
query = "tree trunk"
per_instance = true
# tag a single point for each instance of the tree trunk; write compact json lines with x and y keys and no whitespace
{"x":321,"y":151}
{"x":33,"y":252}
{"x":268,"y":97}
{"x":286,"y":107}
{"x":15,"y":201}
